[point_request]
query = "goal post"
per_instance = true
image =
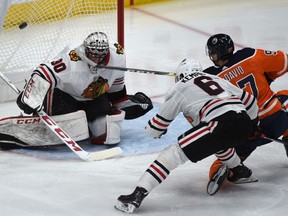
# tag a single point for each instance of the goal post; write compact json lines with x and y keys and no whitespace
{"x":33,"y":31}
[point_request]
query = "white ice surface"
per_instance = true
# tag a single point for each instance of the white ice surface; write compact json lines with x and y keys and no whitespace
{"x":54,"y":182}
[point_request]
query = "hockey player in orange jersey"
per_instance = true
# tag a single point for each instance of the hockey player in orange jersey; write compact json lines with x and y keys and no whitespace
{"x":252,"y":70}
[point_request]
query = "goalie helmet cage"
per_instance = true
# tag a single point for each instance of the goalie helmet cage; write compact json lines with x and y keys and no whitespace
{"x":33,"y":31}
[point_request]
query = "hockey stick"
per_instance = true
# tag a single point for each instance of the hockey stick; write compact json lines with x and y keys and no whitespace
{"x":54,"y":127}
{"x":274,"y":140}
{"x":84,"y":57}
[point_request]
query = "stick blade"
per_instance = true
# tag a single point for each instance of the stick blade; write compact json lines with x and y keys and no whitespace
{"x":104,"y":154}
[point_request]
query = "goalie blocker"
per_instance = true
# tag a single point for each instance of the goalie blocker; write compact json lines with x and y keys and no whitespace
{"x":35,"y":90}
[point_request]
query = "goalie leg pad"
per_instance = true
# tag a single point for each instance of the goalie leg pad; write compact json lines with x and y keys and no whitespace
{"x":107,"y":129}
{"x":31,"y":131}
{"x":114,"y":125}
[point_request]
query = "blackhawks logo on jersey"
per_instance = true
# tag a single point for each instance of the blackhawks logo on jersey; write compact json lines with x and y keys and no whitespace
{"x":119,"y":48}
{"x":74,"y":56}
{"x":96,"y":88}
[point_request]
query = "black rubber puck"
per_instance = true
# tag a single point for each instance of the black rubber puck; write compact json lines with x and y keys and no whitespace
{"x":23,"y":25}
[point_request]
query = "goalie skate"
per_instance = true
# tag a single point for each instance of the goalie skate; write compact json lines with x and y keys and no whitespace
{"x":217,"y":180}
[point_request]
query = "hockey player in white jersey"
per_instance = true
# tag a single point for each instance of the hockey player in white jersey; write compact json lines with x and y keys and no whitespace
{"x":74,"y":84}
{"x":222,"y":115}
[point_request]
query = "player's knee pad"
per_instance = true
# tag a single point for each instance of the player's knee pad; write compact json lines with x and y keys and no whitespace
{"x":107,"y":129}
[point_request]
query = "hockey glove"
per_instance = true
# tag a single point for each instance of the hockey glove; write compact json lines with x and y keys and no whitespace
{"x":135,"y":105}
{"x":163,"y":133}
{"x":154,"y":132}
{"x":257,"y":132}
{"x":141,"y":105}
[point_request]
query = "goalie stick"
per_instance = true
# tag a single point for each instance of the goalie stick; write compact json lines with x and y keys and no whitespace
{"x":84,"y":57}
{"x":54,"y":127}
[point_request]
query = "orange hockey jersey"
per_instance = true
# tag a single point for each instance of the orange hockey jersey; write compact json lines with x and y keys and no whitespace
{"x":253,"y":70}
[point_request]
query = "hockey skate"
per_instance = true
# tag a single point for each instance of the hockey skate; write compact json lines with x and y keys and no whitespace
{"x":241,"y":174}
{"x":128,"y":203}
{"x":217,"y":180}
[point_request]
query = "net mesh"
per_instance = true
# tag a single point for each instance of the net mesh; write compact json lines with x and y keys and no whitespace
{"x":32,"y":31}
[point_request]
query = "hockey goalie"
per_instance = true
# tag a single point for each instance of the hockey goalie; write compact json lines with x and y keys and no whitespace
{"x":84,"y":100}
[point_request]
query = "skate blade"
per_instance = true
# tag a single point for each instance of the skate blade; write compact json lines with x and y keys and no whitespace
{"x":251,"y":179}
{"x":217,"y":180}
{"x":128,"y":208}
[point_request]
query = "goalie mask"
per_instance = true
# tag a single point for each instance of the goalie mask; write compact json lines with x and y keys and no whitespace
{"x":187,"y":66}
{"x":219,"y":47}
{"x":96,"y":47}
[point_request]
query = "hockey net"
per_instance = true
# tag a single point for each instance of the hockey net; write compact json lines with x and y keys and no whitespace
{"x":33,"y":31}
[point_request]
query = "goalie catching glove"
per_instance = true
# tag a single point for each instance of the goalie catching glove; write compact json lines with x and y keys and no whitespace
{"x":135,"y":105}
{"x":30,"y":100}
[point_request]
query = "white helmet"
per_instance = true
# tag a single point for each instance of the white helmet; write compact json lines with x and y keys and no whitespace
{"x":187,"y":66}
{"x":96,"y":45}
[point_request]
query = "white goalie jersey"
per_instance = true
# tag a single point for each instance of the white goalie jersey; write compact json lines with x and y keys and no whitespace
{"x":201,"y":98}
{"x":69,"y":73}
